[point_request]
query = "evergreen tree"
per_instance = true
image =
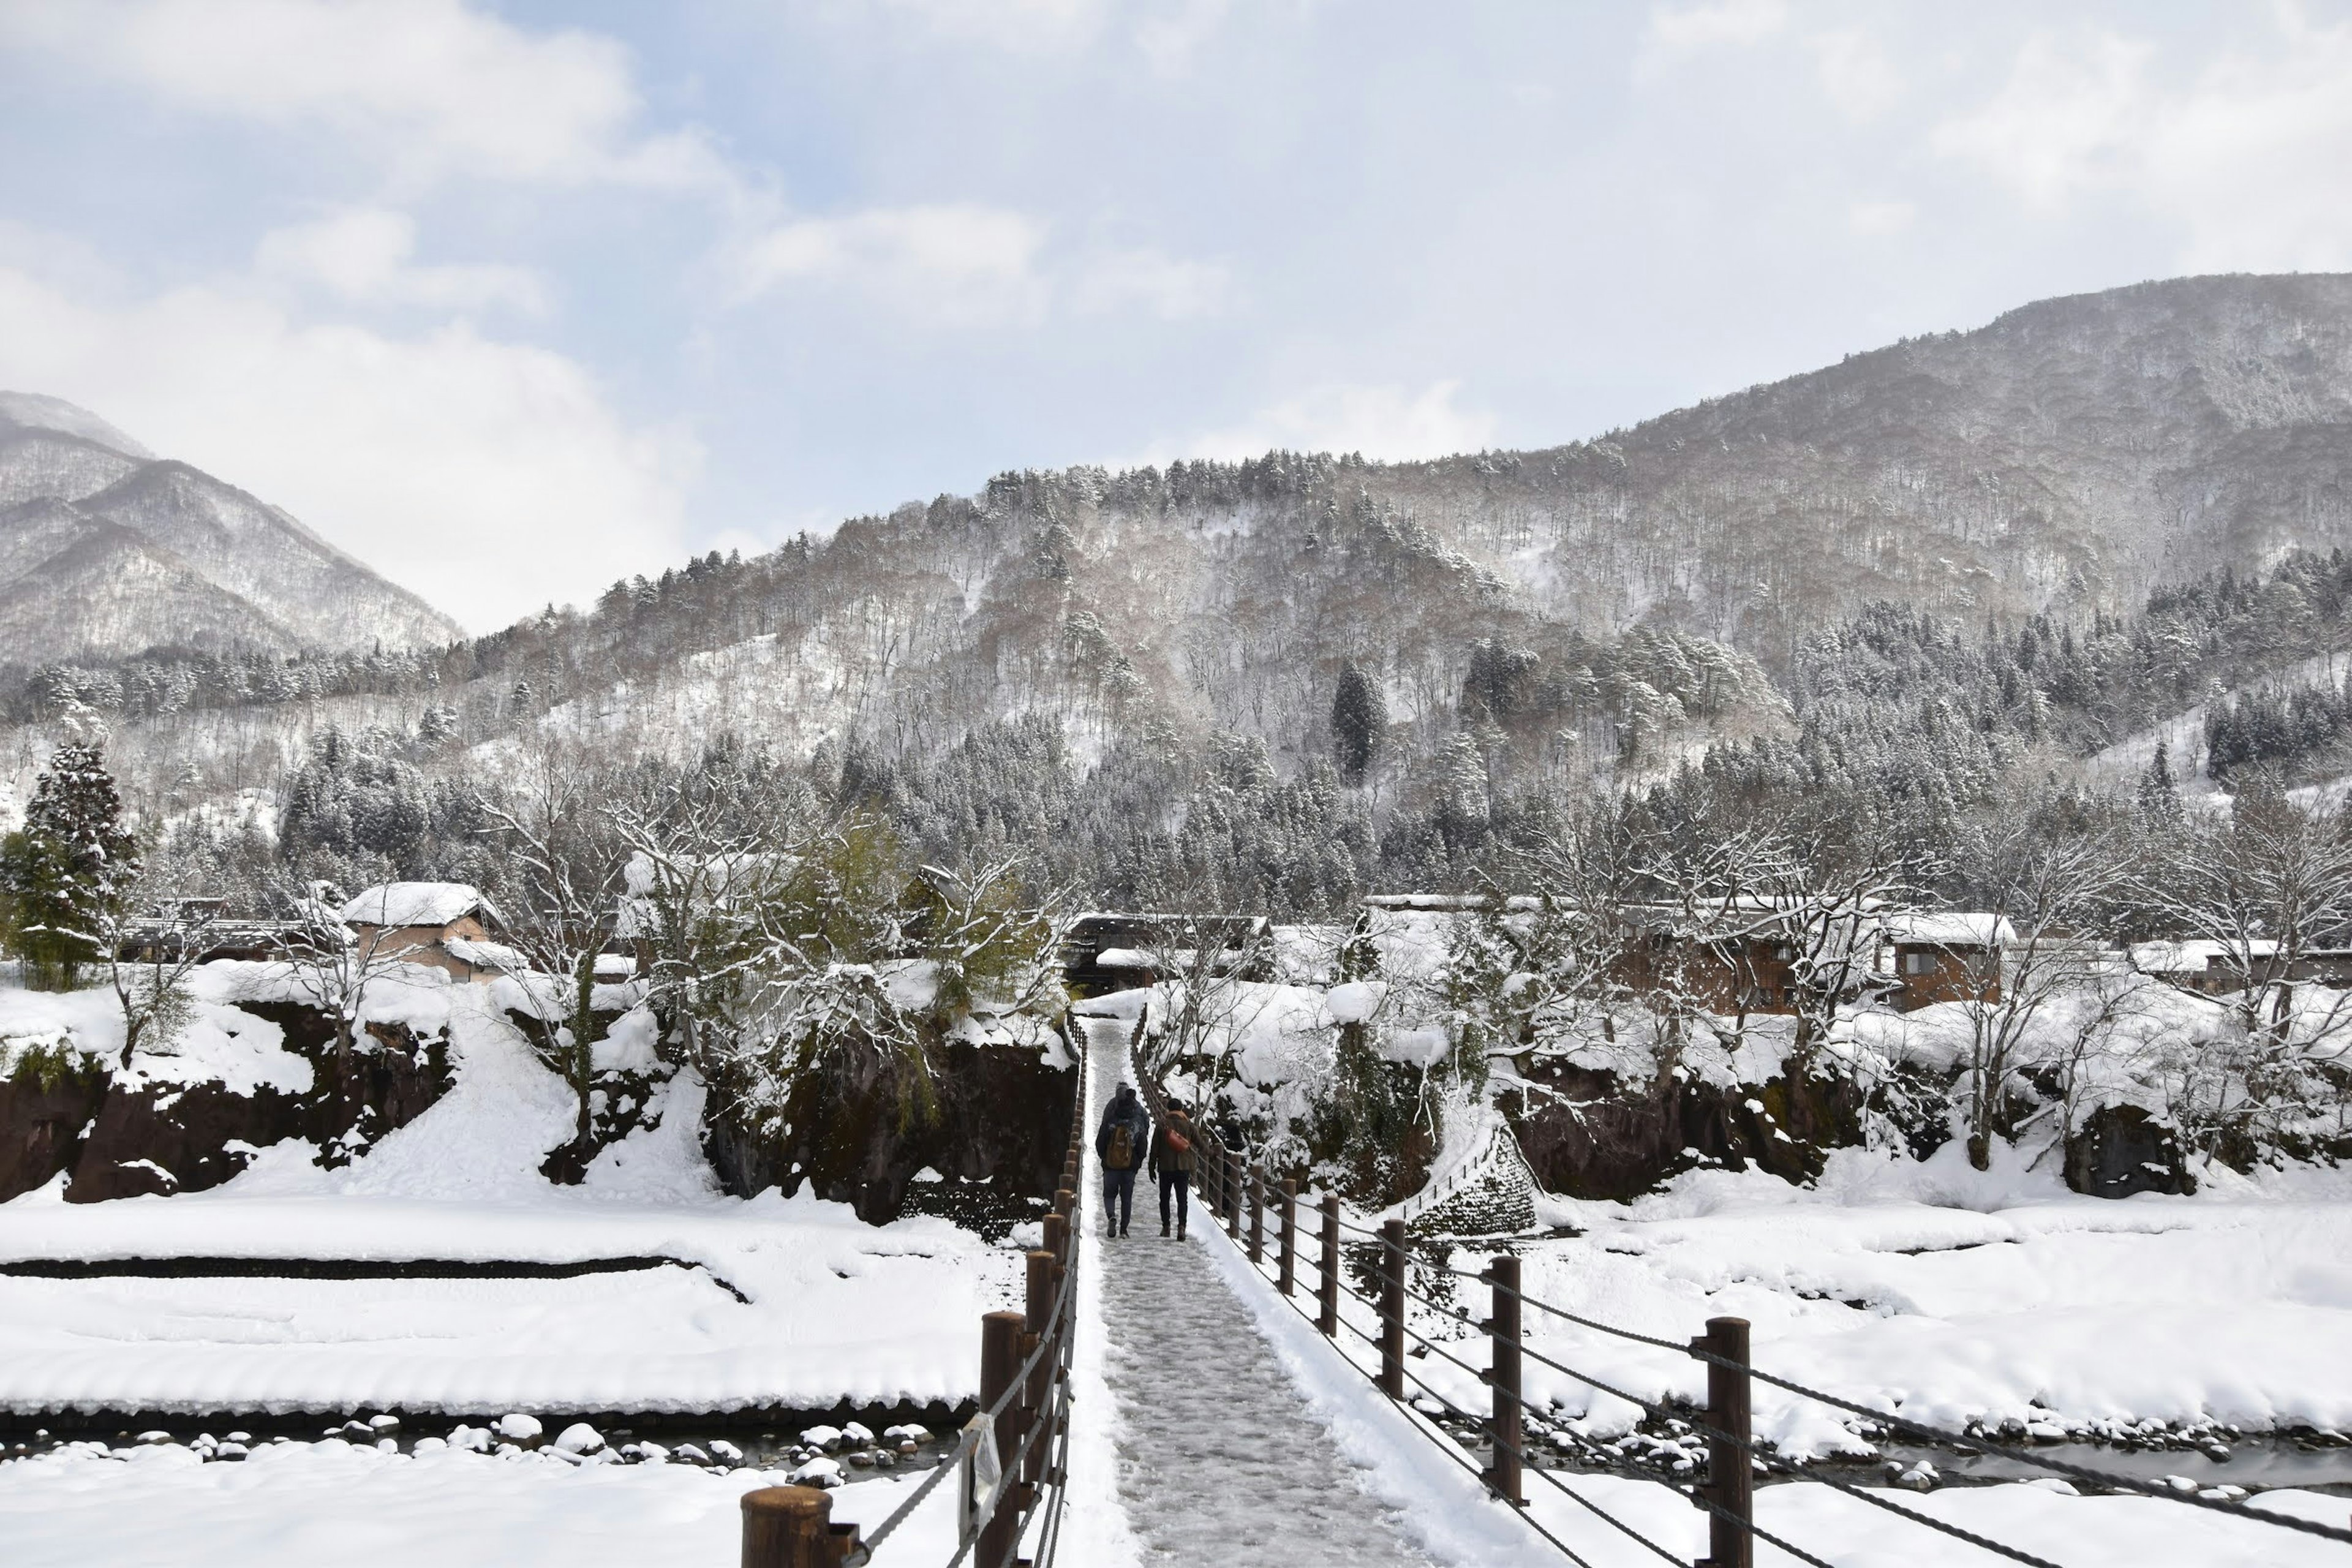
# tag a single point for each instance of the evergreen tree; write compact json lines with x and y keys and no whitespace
{"x":1359,"y":719}
{"x":68,"y":871}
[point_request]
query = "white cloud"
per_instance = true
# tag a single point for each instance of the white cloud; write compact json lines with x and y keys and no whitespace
{"x":1677,"y":29}
{"x":2067,"y":118}
{"x":430,"y":86}
{"x":1874,"y":218}
{"x":965,"y":265}
{"x":491,"y":477}
{"x":1856,"y":74}
{"x":953,"y":264}
{"x":1023,"y":25}
{"x":1381,"y":421}
{"x":1113,"y":282}
{"x":1169,"y":37}
{"x":2252,"y":158}
{"x":363,"y":255}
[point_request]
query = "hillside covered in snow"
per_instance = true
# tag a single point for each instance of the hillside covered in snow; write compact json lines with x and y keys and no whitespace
{"x":107,"y":551}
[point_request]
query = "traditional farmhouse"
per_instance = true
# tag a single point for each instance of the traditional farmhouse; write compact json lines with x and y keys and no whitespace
{"x":450,"y":926}
{"x":1945,"y":957}
{"x":1105,"y":953}
{"x":175,"y":930}
{"x":2218,"y":968}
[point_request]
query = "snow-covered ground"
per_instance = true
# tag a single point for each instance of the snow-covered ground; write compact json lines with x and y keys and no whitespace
{"x":1654,"y":1265}
{"x":300,"y":1505}
{"x":774,"y":1301}
{"x":1963,"y":1296}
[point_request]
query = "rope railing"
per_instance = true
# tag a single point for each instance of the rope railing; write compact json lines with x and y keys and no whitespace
{"x":1012,"y":1461}
{"x":1235,"y":1191}
{"x":2107,"y":1478}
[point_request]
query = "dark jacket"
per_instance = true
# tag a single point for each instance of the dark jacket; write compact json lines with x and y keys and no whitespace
{"x":1124,"y":1107}
{"x":1163,"y":1158}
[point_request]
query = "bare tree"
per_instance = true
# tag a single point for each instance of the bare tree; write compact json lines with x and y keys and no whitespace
{"x":148,"y":961}
{"x":2267,"y":885}
{"x":1832,"y":888}
{"x":2040,"y":888}
{"x":333,"y":967}
{"x":566,"y":862}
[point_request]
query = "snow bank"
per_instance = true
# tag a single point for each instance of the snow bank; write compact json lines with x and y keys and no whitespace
{"x":829,"y":1309}
{"x":297,"y":1505}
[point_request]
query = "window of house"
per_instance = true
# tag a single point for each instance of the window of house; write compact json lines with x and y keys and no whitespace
{"x":1918,"y":964}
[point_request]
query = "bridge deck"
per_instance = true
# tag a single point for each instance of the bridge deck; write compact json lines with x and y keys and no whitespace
{"x":1220,"y":1460}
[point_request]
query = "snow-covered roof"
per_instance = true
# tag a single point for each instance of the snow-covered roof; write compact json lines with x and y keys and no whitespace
{"x":1950,"y":929}
{"x":495,"y":955}
{"x":2196,"y":955}
{"x":1135,"y":958}
{"x":417,"y":904}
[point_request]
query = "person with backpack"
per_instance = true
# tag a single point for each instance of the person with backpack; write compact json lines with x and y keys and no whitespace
{"x":1172,"y":1165}
{"x":1118,"y":1143}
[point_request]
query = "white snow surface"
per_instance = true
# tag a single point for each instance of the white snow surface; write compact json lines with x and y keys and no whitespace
{"x":1949,"y":1295}
{"x":416,"y":904}
{"x":297,"y":1505}
{"x":836,"y":1308}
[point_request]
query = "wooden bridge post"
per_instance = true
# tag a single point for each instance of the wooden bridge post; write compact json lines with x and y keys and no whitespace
{"x":791,"y":1527}
{"x":1393,"y":1309}
{"x":1000,"y":1358}
{"x":1038,"y":1396}
{"x":1057,"y":1242}
{"x":1290,"y":1271}
{"x":1256,"y":1214}
{"x":1326,"y":1287}
{"x":1730,"y":1483}
{"x":1232,"y":1194}
{"x":1506,"y":1429}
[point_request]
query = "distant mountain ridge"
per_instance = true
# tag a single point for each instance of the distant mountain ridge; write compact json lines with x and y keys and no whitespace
{"x":107,"y":551}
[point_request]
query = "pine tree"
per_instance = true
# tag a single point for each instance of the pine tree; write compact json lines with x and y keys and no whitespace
{"x":69,"y":870}
{"x":2159,"y":801}
{"x":1359,"y":719}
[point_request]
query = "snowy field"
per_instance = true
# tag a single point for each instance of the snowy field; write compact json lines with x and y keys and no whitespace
{"x":771,"y":1301}
{"x":1963,"y":1296}
{"x":300,"y":1505}
{"x":2017,"y":1293}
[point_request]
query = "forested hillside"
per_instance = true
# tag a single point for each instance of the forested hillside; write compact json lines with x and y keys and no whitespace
{"x":1889,"y":584}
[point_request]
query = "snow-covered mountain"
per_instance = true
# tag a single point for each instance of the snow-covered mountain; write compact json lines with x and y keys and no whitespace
{"x":107,"y":551}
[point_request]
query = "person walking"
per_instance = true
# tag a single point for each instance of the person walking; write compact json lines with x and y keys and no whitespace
{"x":1171,"y":1165}
{"x":1119,"y":1144}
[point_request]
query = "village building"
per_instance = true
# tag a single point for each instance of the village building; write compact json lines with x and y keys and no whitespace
{"x":1102,"y":952}
{"x":1945,"y":956}
{"x":449,"y":926}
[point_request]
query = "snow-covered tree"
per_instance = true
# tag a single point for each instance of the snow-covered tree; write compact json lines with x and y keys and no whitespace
{"x":69,"y":870}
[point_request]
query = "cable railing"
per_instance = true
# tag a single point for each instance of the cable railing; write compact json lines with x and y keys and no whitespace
{"x":1238,"y":1191}
{"x":1010,"y":1462}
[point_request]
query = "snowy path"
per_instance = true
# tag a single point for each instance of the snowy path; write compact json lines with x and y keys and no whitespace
{"x":1220,"y":1459}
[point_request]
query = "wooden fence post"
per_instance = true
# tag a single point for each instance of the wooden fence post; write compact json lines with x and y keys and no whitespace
{"x":1730,"y":1483}
{"x":1232,"y":1194}
{"x":1507,"y":1430}
{"x":1256,"y":1214}
{"x":1039,"y":1394}
{"x":1326,"y":1287}
{"x":1000,"y":1358}
{"x":1289,"y":1271}
{"x":1057,"y":1242}
{"x":791,"y":1527}
{"x":1393,"y":1309}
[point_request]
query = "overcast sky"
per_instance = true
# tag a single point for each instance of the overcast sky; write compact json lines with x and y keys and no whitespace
{"x":513,"y":299}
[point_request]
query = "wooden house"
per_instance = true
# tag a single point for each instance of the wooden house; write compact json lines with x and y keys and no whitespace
{"x":449,"y":926}
{"x":1949,"y":956}
{"x":1106,"y":951}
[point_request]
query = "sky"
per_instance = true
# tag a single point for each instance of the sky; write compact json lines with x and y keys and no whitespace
{"x":513,"y":299}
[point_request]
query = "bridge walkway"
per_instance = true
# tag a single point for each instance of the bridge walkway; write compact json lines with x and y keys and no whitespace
{"x":1220,"y":1461}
